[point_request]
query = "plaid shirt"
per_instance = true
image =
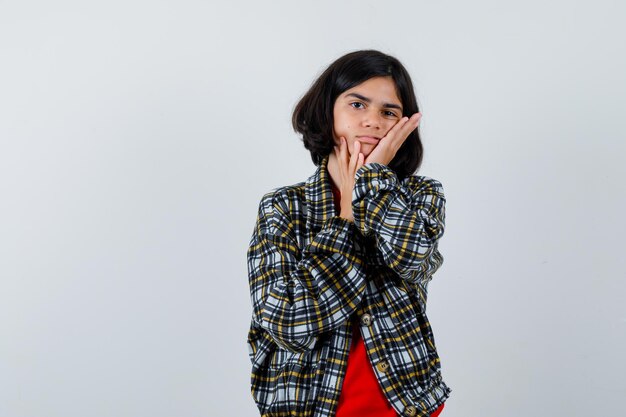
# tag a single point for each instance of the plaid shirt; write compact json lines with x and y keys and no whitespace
{"x":313,"y":275}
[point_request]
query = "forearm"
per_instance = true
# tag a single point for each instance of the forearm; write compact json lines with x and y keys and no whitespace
{"x":407,"y":219}
{"x":299,"y":294}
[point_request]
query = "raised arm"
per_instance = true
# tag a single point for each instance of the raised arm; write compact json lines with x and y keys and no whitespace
{"x":298,"y":293}
{"x":407,"y":219}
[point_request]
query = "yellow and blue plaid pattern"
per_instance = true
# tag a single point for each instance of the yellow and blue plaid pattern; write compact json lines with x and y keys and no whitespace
{"x":313,"y":274}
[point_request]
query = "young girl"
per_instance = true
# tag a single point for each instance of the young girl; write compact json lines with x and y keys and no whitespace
{"x":339,"y":264}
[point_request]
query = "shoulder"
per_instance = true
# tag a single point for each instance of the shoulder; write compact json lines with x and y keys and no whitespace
{"x":282,"y":200}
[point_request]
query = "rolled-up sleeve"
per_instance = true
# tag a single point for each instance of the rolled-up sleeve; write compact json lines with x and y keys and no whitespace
{"x":298,"y":293}
{"x":406,"y":218}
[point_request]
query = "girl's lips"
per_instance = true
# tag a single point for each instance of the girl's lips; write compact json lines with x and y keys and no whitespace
{"x":368,"y":139}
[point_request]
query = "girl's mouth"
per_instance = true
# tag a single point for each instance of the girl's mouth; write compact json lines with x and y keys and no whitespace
{"x":368,"y":139}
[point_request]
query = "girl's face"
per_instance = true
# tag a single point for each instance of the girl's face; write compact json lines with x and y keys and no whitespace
{"x":366,"y":113}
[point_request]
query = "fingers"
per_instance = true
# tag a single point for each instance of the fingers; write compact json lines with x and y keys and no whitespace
{"x":418,"y":117}
{"x":343,"y":150}
{"x":349,"y":162}
{"x":398,"y":126}
{"x":354,"y":157}
{"x":359,"y":163}
{"x":404,"y":127}
{"x":411,"y":124}
{"x":342,"y":156}
{"x":414,"y":121}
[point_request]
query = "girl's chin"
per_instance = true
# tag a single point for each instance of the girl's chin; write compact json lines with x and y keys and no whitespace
{"x":365,"y":150}
{"x":367,"y":147}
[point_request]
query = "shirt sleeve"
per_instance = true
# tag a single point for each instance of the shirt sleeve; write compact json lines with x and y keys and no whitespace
{"x":407,"y":218}
{"x":298,"y":293}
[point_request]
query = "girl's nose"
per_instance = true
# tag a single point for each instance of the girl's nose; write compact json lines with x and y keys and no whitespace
{"x":372,"y":119}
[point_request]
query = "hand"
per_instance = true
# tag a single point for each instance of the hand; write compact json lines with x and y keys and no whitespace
{"x":348,"y":166}
{"x":388,"y":146}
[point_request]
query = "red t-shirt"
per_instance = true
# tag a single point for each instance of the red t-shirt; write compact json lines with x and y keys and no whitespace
{"x":361,"y":395}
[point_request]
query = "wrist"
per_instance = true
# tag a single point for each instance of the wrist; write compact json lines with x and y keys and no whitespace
{"x":348,"y":215}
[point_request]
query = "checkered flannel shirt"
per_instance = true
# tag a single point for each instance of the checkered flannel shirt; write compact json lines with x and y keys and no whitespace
{"x":313,"y":274}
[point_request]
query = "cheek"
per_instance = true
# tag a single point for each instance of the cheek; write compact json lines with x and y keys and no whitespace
{"x":342,"y":129}
{"x":389,"y":125}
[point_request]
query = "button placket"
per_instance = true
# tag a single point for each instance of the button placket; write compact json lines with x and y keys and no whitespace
{"x":382,"y":366}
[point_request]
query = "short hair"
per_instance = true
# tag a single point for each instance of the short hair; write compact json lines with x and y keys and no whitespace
{"x":313,"y":115}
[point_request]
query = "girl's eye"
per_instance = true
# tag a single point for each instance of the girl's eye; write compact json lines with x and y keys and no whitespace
{"x":357,"y":105}
{"x":389,"y":113}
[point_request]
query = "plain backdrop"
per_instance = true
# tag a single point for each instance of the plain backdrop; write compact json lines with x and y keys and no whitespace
{"x":137,"y":138}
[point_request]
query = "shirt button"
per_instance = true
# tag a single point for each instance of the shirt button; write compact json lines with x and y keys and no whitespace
{"x":382,"y":366}
{"x":366,"y":319}
{"x":410,"y":411}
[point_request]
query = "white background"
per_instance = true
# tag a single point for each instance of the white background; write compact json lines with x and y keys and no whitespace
{"x":137,"y":137}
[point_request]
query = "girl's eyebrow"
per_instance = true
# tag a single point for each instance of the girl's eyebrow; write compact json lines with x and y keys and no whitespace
{"x":367,"y":100}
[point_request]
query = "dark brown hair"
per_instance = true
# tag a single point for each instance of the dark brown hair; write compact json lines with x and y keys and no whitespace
{"x":313,"y":115}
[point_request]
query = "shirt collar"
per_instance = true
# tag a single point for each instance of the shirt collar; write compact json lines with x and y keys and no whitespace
{"x":319,"y":196}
